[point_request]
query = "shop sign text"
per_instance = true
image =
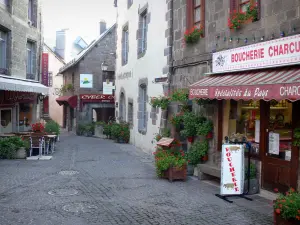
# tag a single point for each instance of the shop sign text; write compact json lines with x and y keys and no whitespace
{"x":278,"y":52}
{"x":97,"y":97}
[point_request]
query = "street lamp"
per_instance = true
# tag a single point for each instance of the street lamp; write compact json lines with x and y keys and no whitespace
{"x":104,"y":66}
{"x":41,"y":97}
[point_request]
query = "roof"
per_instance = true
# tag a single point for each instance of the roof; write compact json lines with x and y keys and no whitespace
{"x":55,"y":54}
{"x":74,"y":61}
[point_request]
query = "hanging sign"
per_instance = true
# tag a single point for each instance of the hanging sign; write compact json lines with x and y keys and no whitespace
{"x":278,"y":52}
{"x":232,"y":169}
{"x":108,"y":88}
{"x":274,"y":143}
{"x":45,"y":69}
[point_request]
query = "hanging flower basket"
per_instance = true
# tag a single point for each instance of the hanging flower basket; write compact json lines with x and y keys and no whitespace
{"x":193,"y":35}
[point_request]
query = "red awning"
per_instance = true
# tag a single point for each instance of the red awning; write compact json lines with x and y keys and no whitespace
{"x":70,"y":100}
{"x":278,"y":84}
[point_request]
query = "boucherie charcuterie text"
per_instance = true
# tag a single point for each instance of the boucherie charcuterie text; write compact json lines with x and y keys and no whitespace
{"x":272,"y":51}
{"x":231,"y":166}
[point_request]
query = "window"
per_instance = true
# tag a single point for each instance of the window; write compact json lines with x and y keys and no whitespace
{"x":3,"y":51}
{"x":242,"y":5}
{"x":142,"y":34}
{"x":195,"y":13}
{"x":122,"y":108}
{"x":30,"y":58}
{"x":129,"y":3}
{"x":50,"y":79}
{"x":30,"y":11}
{"x":125,"y":46}
{"x":130,"y":113}
{"x":142,"y":114}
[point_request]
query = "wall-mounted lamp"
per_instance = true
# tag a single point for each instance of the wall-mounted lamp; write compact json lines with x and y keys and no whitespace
{"x":262,"y":38}
{"x":282,"y":34}
{"x":41,"y":97}
{"x":246,"y":40}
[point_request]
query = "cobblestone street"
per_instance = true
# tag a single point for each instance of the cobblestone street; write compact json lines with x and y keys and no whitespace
{"x":95,"y":181}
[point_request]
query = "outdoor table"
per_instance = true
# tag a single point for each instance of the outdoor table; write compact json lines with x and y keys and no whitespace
{"x":7,"y":135}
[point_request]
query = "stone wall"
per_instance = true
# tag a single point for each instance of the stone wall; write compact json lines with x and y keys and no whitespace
{"x":14,"y":20}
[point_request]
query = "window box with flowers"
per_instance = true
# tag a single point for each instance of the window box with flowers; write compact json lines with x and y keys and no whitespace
{"x":192,"y":36}
{"x":160,"y":102}
{"x":238,"y":18}
{"x":287,"y":208}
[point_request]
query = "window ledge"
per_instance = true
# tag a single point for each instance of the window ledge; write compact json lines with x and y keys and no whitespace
{"x":143,"y":132}
{"x":141,"y":55}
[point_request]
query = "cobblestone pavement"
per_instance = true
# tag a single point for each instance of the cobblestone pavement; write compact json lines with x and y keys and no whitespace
{"x":94,"y":181}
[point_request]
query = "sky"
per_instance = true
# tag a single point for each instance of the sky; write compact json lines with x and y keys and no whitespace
{"x":82,"y":17}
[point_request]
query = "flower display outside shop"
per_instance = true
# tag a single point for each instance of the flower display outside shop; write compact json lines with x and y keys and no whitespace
{"x":193,"y":35}
{"x":165,"y":159}
{"x":287,"y":206}
{"x":180,"y":95}
{"x":197,"y":152}
{"x":236,"y":18}
{"x":177,"y":119}
{"x":160,"y":102}
{"x":37,"y":127}
{"x":120,"y":132}
{"x":190,"y":123}
{"x":205,"y":129}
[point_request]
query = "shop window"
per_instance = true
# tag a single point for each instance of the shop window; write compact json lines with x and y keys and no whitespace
{"x":280,"y":130}
{"x":3,"y":52}
{"x":195,"y":14}
{"x":30,"y":60}
{"x":25,"y":116}
{"x":125,"y":45}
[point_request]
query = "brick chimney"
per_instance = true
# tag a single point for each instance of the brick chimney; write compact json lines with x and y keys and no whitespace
{"x":102,"y":27}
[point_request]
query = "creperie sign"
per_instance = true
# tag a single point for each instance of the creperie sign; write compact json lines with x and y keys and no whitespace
{"x":97,"y":98}
{"x":278,"y":52}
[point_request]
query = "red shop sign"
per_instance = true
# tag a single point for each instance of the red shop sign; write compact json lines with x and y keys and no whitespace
{"x":97,"y":98}
{"x":11,"y":97}
{"x":249,"y":92}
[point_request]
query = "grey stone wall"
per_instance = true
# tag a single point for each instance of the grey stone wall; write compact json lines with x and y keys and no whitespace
{"x":14,"y":19}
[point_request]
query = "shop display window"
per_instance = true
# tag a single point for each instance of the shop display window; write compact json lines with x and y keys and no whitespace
{"x":25,"y":116}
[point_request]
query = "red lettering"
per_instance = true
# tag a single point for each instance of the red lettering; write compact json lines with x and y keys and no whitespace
{"x":228,"y":154}
{"x":280,"y":50}
{"x":234,"y":180}
{"x":232,"y":168}
{"x":233,"y":174}
{"x":232,"y":58}
{"x":251,"y":54}
{"x":235,"y":184}
{"x":229,"y":159}
{"x":236,"y":189}
{"x":262,"y":53}
{"x":271,"y":51}
{"x":255,"y":54}
{"x":275,"y":50}
{"x":292,"y":50}
{"x":236,"y":57}
{"x":286,"y":48}
{"x":297,"y":46}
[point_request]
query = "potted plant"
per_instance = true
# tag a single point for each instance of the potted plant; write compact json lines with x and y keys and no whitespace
{"x":205,"y":129}
{"x":160,"y":102}
{"x":236,"y":19}
{"x":296,"y":141}
{"x":180,"y":95}
{"x":254,"y":183}
{"x":287,"y":208}
{"x":196,"y":154}
{"x":52,"y":127}
{"x":177,"y":119}
{"x":124,"y":133}
{"x":115,"y":131}
{"x":107,"y":129}
{"x":190,"y":121}
{"x":37,"y":127}
{"x":170,"y":164}
{"x":192,"y":36}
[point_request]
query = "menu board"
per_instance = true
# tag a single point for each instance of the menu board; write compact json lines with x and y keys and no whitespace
{"x":232,"y":169}
{"x":257,"y":130}
{"x":274,"y":143}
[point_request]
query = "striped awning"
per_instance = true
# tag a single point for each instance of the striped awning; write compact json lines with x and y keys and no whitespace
{"x":277,"y":83}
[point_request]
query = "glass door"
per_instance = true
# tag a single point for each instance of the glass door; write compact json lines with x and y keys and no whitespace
{"x":6,"y":120}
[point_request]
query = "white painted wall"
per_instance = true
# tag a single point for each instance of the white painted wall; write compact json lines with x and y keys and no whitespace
{"x":55,"y":110}
{"x":149,"y":66}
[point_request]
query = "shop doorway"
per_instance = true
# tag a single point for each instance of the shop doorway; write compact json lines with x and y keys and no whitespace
{"x":280,"y":158}
{"x":6,"y":121}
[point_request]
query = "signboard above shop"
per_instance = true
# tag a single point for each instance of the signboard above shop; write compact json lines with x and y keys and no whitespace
{"x":97,"y":98}
{"x":274,"y":53}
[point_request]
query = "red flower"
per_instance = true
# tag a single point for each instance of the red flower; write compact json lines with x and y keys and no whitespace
{"x":276,"y":190}
{"x":277,"y":211}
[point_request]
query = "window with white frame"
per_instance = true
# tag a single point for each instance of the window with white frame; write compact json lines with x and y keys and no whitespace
{"x":142,"y":34}
{"x":125,"y":46}
{"x":3,"y":50}
{"x":30,"y":58}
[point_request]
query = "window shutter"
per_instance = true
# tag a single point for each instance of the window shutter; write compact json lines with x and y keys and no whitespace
{"x":189,"y":14}
{"x":140,"y":36}
{"x":203,"y":15}
{"x":233,"y":5}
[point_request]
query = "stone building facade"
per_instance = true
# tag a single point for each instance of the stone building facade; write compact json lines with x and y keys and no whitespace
{"x":190,"y":62}
{"x":92,"y":60}
{"x":20,"y":62}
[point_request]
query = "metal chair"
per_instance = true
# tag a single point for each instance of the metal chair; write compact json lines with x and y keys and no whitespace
{"x":36,"y":141}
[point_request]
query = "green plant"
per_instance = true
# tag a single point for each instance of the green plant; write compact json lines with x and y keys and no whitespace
{"x":107,"y":129}
{"x":193,"y":35}
{"x":288,"y":205}
{"x":115,"y":130}
{"x":252,"y":171}
{"x":164,"y":159}
{"x":180,"y":95}
{"x":252,"y":12}
{"x":177,"y":119}
{"x":52,"y":127}
{"x":67,"y":87}
{"x":100,"y":123}
{"x":205,"y":128}
{"x":125,"y":132}
{"x":197,"y":151}
{"x":81,"y":129}
{"x":165,"y":132}
{"x":236,"y":19}
{"x":190,"y":122}
{"x":17,"y":141}
{"x":296,"y":141}
{"x":160,"y":102}
{"x":8,"y":148}
{"x":203,"y":102}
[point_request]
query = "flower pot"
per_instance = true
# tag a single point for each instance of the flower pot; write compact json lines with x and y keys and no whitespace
{"x":21,"y":153}
{"x":254,"y":186}
{"x":204,"y":159}
{"x":209,"y":135}
{"x":174,"y":173}
{"x":278,"y":220}
{"x":190,"y":139}
{"x":190,"y":170}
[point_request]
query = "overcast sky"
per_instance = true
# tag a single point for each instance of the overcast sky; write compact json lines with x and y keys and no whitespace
{"x":80,"y":16}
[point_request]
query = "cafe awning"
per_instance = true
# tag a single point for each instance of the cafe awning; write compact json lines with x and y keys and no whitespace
{"x":15,"y":84}
{"x":276,"y":83}
{"x":69,"y":100}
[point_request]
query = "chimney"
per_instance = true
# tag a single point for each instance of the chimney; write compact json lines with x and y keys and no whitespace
{"x":102,"y":27}
{"x":60,"y":47}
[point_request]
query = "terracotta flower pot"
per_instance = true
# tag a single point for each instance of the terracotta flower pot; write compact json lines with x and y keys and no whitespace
{"x":190,"y":139}
{"x":278,"y":220}
{"x":174,"y":173}
{"x":209,"y":135}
